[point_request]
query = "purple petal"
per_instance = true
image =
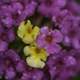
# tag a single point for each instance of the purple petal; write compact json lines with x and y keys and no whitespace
{"x":3,"y":45}
{"x":13,"y":55}
{"x":20,"y":66}
{"x":51,"y":49}
{"x":8,"y":22}
{"x":41,"y":40}
{"x":58,"y":37}
{"x":69,"y":61}
{"x":10,"y":74}
{"x":44,"y":30}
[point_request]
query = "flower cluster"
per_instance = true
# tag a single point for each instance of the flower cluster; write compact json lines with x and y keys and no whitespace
{"x":12,"y":12}
{"x":45,"y":42}
{"x":48,"y":51}
{"x":12,"y":67}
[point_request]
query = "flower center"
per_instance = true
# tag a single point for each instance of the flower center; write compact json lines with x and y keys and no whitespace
{"x":37,"y":50}
{"x":29,"y":30}
{"x":49,"y":38}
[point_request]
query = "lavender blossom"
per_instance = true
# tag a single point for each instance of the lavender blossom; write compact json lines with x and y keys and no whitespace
{"x":49,"y":39}
{"x":15,"y":12}
{"x":71,"y":29}
{"x":51,"y":7}
{"x":64,"y":65}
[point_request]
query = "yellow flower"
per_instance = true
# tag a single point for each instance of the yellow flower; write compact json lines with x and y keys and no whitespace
{"x":35,"y":57}
{"x":27,"y":32}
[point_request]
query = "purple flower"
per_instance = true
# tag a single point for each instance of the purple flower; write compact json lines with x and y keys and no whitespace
{"x":59,"y":17}
{"x":61,"y":64}
{"x":48,"y":40}
{"x":64,"y":65}
{"x":11,"y":65}
{"x":16,"y":11}
{"x":70,"y":28}
{"x":51,"y":7}
{"x":73,"y":7}
{"x":27,"y":11}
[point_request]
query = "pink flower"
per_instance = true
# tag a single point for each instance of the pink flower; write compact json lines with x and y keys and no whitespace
{"x":49,"y":39}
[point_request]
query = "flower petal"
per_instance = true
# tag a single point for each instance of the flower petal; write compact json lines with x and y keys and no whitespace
{"x":58,"y":37}
{"x":27,"y":39}
{"x":35,"y":62}
{"x":41,"y":40}
{"x":51,"y":49}
{"x":44,"y":30}
{"x":28,"y":50}
{"x":35,"y":31}
{"x":21,"y":30}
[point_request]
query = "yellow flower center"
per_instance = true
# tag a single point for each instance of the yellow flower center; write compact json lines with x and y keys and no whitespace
{"x":37,"y":50}
{"x":29,"y":30}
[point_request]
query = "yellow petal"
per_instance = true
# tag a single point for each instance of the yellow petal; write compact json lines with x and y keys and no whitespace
{"x":21,"y":30}
{"x":28,"y":24}
{"x":28,"y":50}
{"x":35,"y":31}
{"x":33,"y":44}
{"x":28,"y":39}
{"x":35,"y":62}
{"x":43,"y":55}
